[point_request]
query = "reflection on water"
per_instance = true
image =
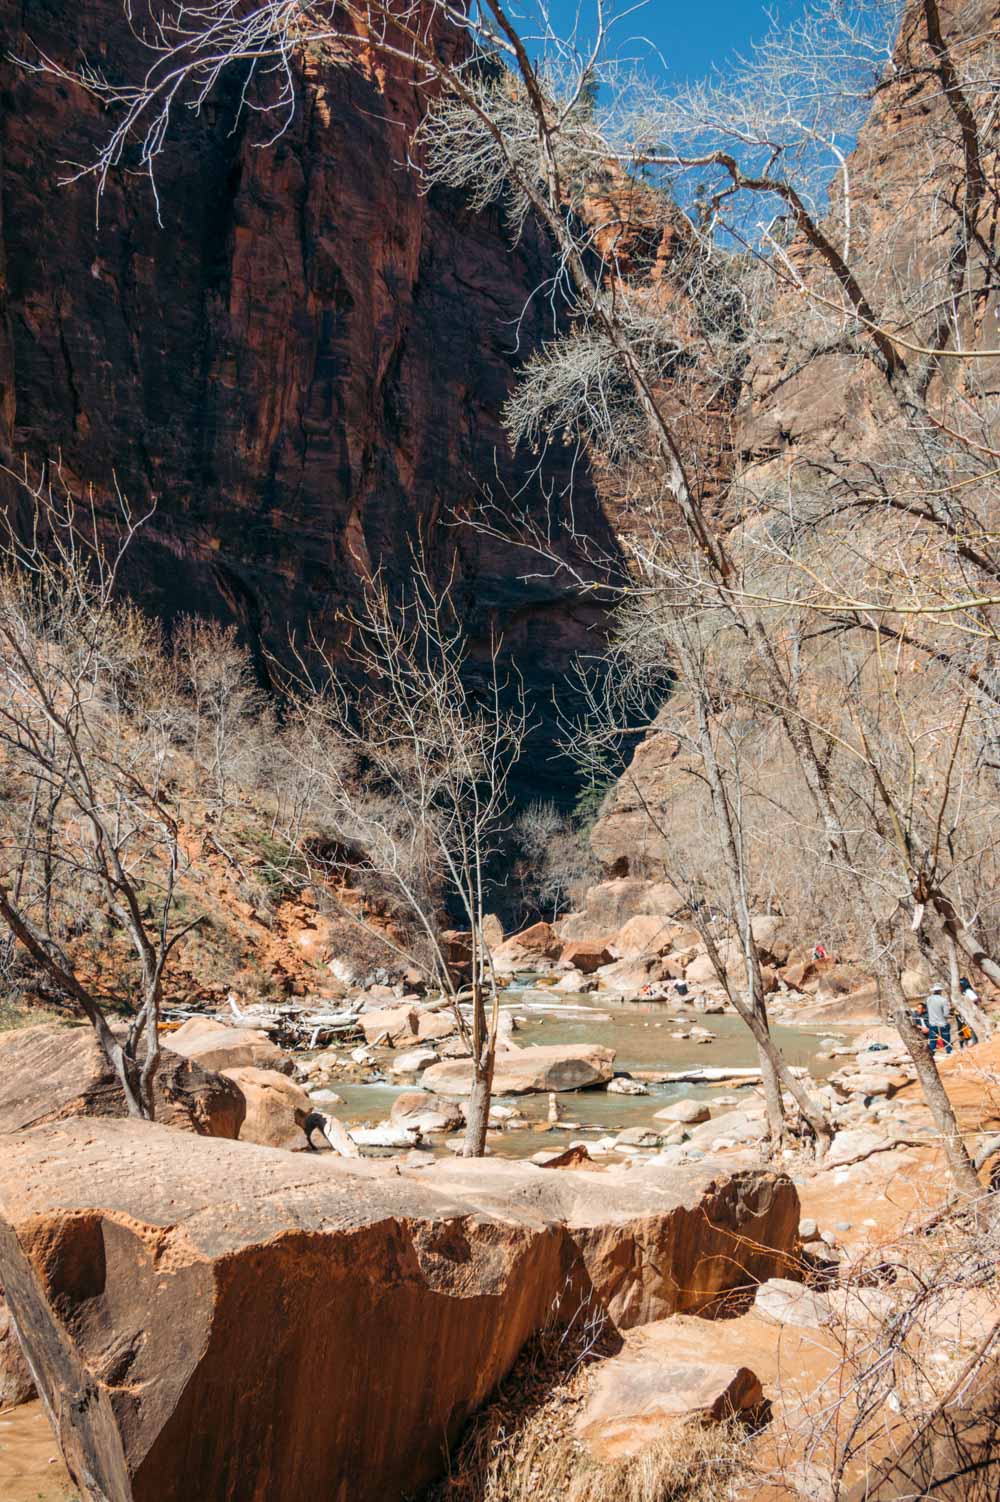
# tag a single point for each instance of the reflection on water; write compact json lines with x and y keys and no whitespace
{"x":640,"y":1034}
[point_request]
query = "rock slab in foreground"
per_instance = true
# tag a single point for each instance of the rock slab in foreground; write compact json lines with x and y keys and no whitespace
{"x":571,"y":1066}
{"x":228,"y":1322}
{"x":50,"y":1072}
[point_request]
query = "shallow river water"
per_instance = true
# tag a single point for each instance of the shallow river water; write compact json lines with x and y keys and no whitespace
{"x":639,"y":1032}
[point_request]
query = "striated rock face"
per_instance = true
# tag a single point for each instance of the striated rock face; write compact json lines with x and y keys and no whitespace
{"x":17,"y":1385}
{"x":49,"y":1073}
{"x":214,"y":1320}
{"x":304,"y":365}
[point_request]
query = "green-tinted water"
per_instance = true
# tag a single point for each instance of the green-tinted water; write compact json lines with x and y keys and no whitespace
{"x":640,"y":1034}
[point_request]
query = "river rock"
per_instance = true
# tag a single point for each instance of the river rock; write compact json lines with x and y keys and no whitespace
{"x":146,"y":1268}
{"x":51,"y":1072}
{"x":731,"y":1127}
{"x":390,"y":1134}
{"x":586,"y":956}
{"x":213,"y":1045}
{"x":414,"y":1060}
{"x":569,"y":1066}
{"x":276,"y":1107}
{"x":403,"y":1025}
{"x":688,"y":1112}
{"x":527,"y":950}
{"x":623,"y":1084}
{"x":426,"y":1112}
{"x":638,"y":1136}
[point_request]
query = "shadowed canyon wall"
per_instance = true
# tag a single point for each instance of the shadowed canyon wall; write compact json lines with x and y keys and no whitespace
{"x":304,"y":364}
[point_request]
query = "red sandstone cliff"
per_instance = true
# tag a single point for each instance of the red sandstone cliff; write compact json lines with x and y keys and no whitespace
{"x":305,"y":364}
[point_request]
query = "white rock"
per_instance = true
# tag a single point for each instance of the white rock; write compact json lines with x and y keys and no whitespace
{"x":687,"y":1111}
{"x":385,"y":1136}
{"x":622,"y":1086}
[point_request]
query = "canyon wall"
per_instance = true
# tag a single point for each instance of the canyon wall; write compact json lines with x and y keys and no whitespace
{"x":815,"y":414}
{"x":304,"y":364}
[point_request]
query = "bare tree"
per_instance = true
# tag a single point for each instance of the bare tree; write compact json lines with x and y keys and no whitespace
{"x":227,"y":702}
{"x":90,"y":835}
{"x":411,"y":769}
{"x":517,"y":119}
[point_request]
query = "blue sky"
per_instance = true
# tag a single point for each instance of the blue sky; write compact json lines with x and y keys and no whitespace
{"x":691,"y":35}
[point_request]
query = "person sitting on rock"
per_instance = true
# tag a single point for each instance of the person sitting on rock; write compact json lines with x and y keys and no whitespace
{"x":938,"y":1020}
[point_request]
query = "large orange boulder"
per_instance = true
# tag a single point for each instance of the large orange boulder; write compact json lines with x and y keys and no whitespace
{"x":51,"y":1072}
{"x":586,"y":956}
{"x":225,"y":1322}
{"x":276,"y":1108}
{"x":217,"y":1045}
{"x":527,"y":950}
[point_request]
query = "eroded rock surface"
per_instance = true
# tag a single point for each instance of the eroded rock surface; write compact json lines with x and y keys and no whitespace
{"x":49,"y":1072}
{"x":216,"y":1319}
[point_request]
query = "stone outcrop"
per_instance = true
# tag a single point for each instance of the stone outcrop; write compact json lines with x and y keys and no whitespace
{"x":50,"y":1072}
{"x":523,"y":1071}
{"x":147,"y":1270}
{"x":214,"y":1045}
{"x":276,"y":1107}
{"x":17,"y":1385}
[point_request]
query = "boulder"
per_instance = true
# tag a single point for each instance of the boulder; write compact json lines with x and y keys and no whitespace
{"x":660,"y":1377}
{"x":426,"y":1112}
{"x":646,"y":933}
{"x":700,"y":972}
{"x":17,"y":1385}
{"x":575,"y":983}
{"x":623,"y":1084}
{"x":688,"y":1112}
{"x":557,"y":1066}
{"x":638,"y":1136}
{"x":528,"y":950}
{"x":492,"y":931}
{"x":872,"y":1082}
{"x":767,"y":933}
{"x":789,"y":1303}
{"x":586,"y":956}
{"x":214,"y":1045}
{"x":389,"y":1025}
{"x":413,"y":1060}
{"x":51,"y":1072}
{"x":856,"y":1142}
{"x":740,"y":1126}
{"x":276,"y":1107}
{"x":389,"y":1134}
{"x":242,"y":1321}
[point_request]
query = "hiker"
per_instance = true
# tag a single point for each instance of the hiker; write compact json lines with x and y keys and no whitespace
{"x":819,"y":952}
{"x":966,"y":1033}
{"x":938,"y":1020}
{"x":919,"y":1019}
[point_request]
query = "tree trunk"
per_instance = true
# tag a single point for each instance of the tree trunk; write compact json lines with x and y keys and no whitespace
{"x":484,"y":1044}
{"x":960,"y":1164}
{"x":478,"y":1118}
